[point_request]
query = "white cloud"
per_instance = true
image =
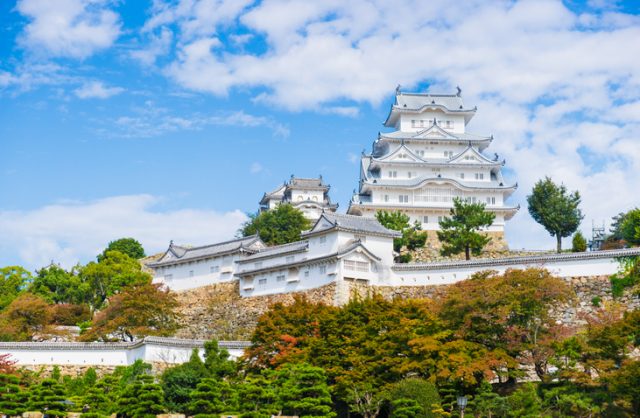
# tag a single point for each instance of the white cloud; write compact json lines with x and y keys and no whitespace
{"x":70,"y":232}
{"x":256,"y":168}
{"x":151,"y":120}
{"x":96,"y":90}
{"x":68,"y":28}
{"x":156,"y":45}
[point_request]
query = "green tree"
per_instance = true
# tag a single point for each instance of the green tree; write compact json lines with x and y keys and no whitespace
{"x":525,"y":402}
{"x":579,"y":243}
{"x":460,"y":232}
{"x":412,"y":236}
{"x":216,"y":360}
{"x":13,"y":279}
{"x":258,"y":397}
{"x":138,"y":311}
{"x":128,"y":246}
{"x":303,"y":391}
{"x":141,"y":399}
{"x":110,"y":275}
{"x":424,"y":393}
{"x":179,"y":381}
{"x":630,"y":227}
{"x":556,"y":209}
{"x":58,"y":285}
{"x":49,"y":396}
{"x":405,"y":408}
{"x":625,"y":385}
{"x":212,"y":396}
{"x":12,"y":398}
{"x":487,"y":403}
{"x":277,"y":226}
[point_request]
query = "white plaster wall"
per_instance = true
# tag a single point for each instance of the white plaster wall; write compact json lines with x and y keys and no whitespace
{"x":569,"y":268}
{"x":182,"y":278}
{"x":405,"y":125}
{"x":294,"y":280}
{"x":31,"y":354}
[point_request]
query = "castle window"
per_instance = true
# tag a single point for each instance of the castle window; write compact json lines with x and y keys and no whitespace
{"x":393,"y":174}
{"x":403,"y":198}
{"x":323,"y":269}
{"x":190,"y":273}
{"x":352,"y":265}
{"x":425,"y":219}
{"x":422,"y":124}
{"x":413,"y":123}
{"x":262,"y":282}
{"x":479,"y":176}
{"x":386,"y":198}
{"x":280,"y":277}
{"x":306,"y":273}
{"x":462,"y":175}
{"x":409,"y":174}
{"x":215,"y":269}
{"x":323,"y":239}
{"x":168,"y":276}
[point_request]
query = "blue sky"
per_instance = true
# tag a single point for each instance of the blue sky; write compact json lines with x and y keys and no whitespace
{"x":169,"y":119}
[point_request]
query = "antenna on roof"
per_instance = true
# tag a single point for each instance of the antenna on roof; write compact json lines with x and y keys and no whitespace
{"x":459,"y":91}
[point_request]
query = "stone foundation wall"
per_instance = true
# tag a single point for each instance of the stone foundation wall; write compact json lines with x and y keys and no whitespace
{"x":219,"y":312}
{"x":497,"y":248}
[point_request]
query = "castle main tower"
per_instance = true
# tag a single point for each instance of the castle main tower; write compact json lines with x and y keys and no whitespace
{"x":427,"y":161}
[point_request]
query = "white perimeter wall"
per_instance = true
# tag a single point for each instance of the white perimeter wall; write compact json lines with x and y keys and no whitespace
{"x":110,"y":354}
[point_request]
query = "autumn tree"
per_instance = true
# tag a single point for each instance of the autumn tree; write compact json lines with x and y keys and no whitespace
{"x":138,"y":311}
{"x":128,"y":246}
{"x":556,"y":209}
{"x":460,"y":232}
{"x":25,"y":319}
{"x":13,"y":280}
{"x":280,"y":225}
{"x":508,"y":312}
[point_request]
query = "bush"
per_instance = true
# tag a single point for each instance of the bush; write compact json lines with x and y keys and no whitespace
{"x":404,"y":258}
{"x":596,"y":301}
{"x":579,"y":243}
{"x":70,"y":314}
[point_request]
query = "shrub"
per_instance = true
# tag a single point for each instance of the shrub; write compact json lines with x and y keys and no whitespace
{"x":596,"y":301}
{"x":579,"y":243}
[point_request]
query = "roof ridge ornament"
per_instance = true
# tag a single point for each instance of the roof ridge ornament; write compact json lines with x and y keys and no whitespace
{"x":398,"y":89}
{"x":459,"y":90}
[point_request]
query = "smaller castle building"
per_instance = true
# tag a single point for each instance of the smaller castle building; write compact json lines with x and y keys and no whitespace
{"x":310,"y":195}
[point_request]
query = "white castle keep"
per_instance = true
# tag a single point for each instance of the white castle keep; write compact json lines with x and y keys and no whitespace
{"x":429,"y":160}
{"x":311,"y":196}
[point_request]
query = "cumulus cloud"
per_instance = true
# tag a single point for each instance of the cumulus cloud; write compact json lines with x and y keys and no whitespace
{"x":68,"y":28}
{"x":96,"y":90}
{"x":72,"y":232}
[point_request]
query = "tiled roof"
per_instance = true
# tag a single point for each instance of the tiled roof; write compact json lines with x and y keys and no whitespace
{"x":292,"y":247}
{"x":418,"y":181}
{"x":182,"y":254}
{"x":418,"y":100}
{"x":165,"y":341}
{"x":420,"y":135}
{"x":307,"y":183}
{"x":352,"y":223}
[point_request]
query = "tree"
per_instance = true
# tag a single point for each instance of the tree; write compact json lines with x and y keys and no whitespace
{"x":277,"y":226}
{"x":303,"y":391}
{"x":57,"y":285}
{"x":179,"y":381}
{"x":625,"y":384}
{"x":212,"y":396}
{"x":554,"y":208}
{"x":13,"y":279}
{"x":525,"y":402}
{"x":110,"y":275}
{"x":405,"y":408}
{"x":258,"y":397}
{"x":579,"y":243}
{"x":6,"y":364}
{"x":216,"y":360}
{"x":27,"y":317}
{"x":12,"y":398}
{"x":128,"y":246}
{"x":48,"y":396}
{"x":459,"y":232}
{"x":630,"y":227}
{"x":412,"y":236}
{"x":488,"y":403}
{"x":140,"y":399}
{"x":138,"y":311}
{"x":422,"y":392}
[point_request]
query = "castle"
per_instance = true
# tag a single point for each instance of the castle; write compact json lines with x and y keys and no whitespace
{"x":417,"y":169}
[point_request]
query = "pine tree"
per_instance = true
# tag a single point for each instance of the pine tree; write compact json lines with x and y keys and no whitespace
{"x":258,"y":397}
{"x":141,"y":399}
{"x":12,"y":398}
{"x":460,"y":232}
{"x":405,"y":408}
{"x":303,"y":391}
{"x":212,"y":396}
{"x":48,"y":397}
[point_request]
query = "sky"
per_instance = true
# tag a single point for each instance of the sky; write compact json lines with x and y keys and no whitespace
{"x":168,"y":120}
